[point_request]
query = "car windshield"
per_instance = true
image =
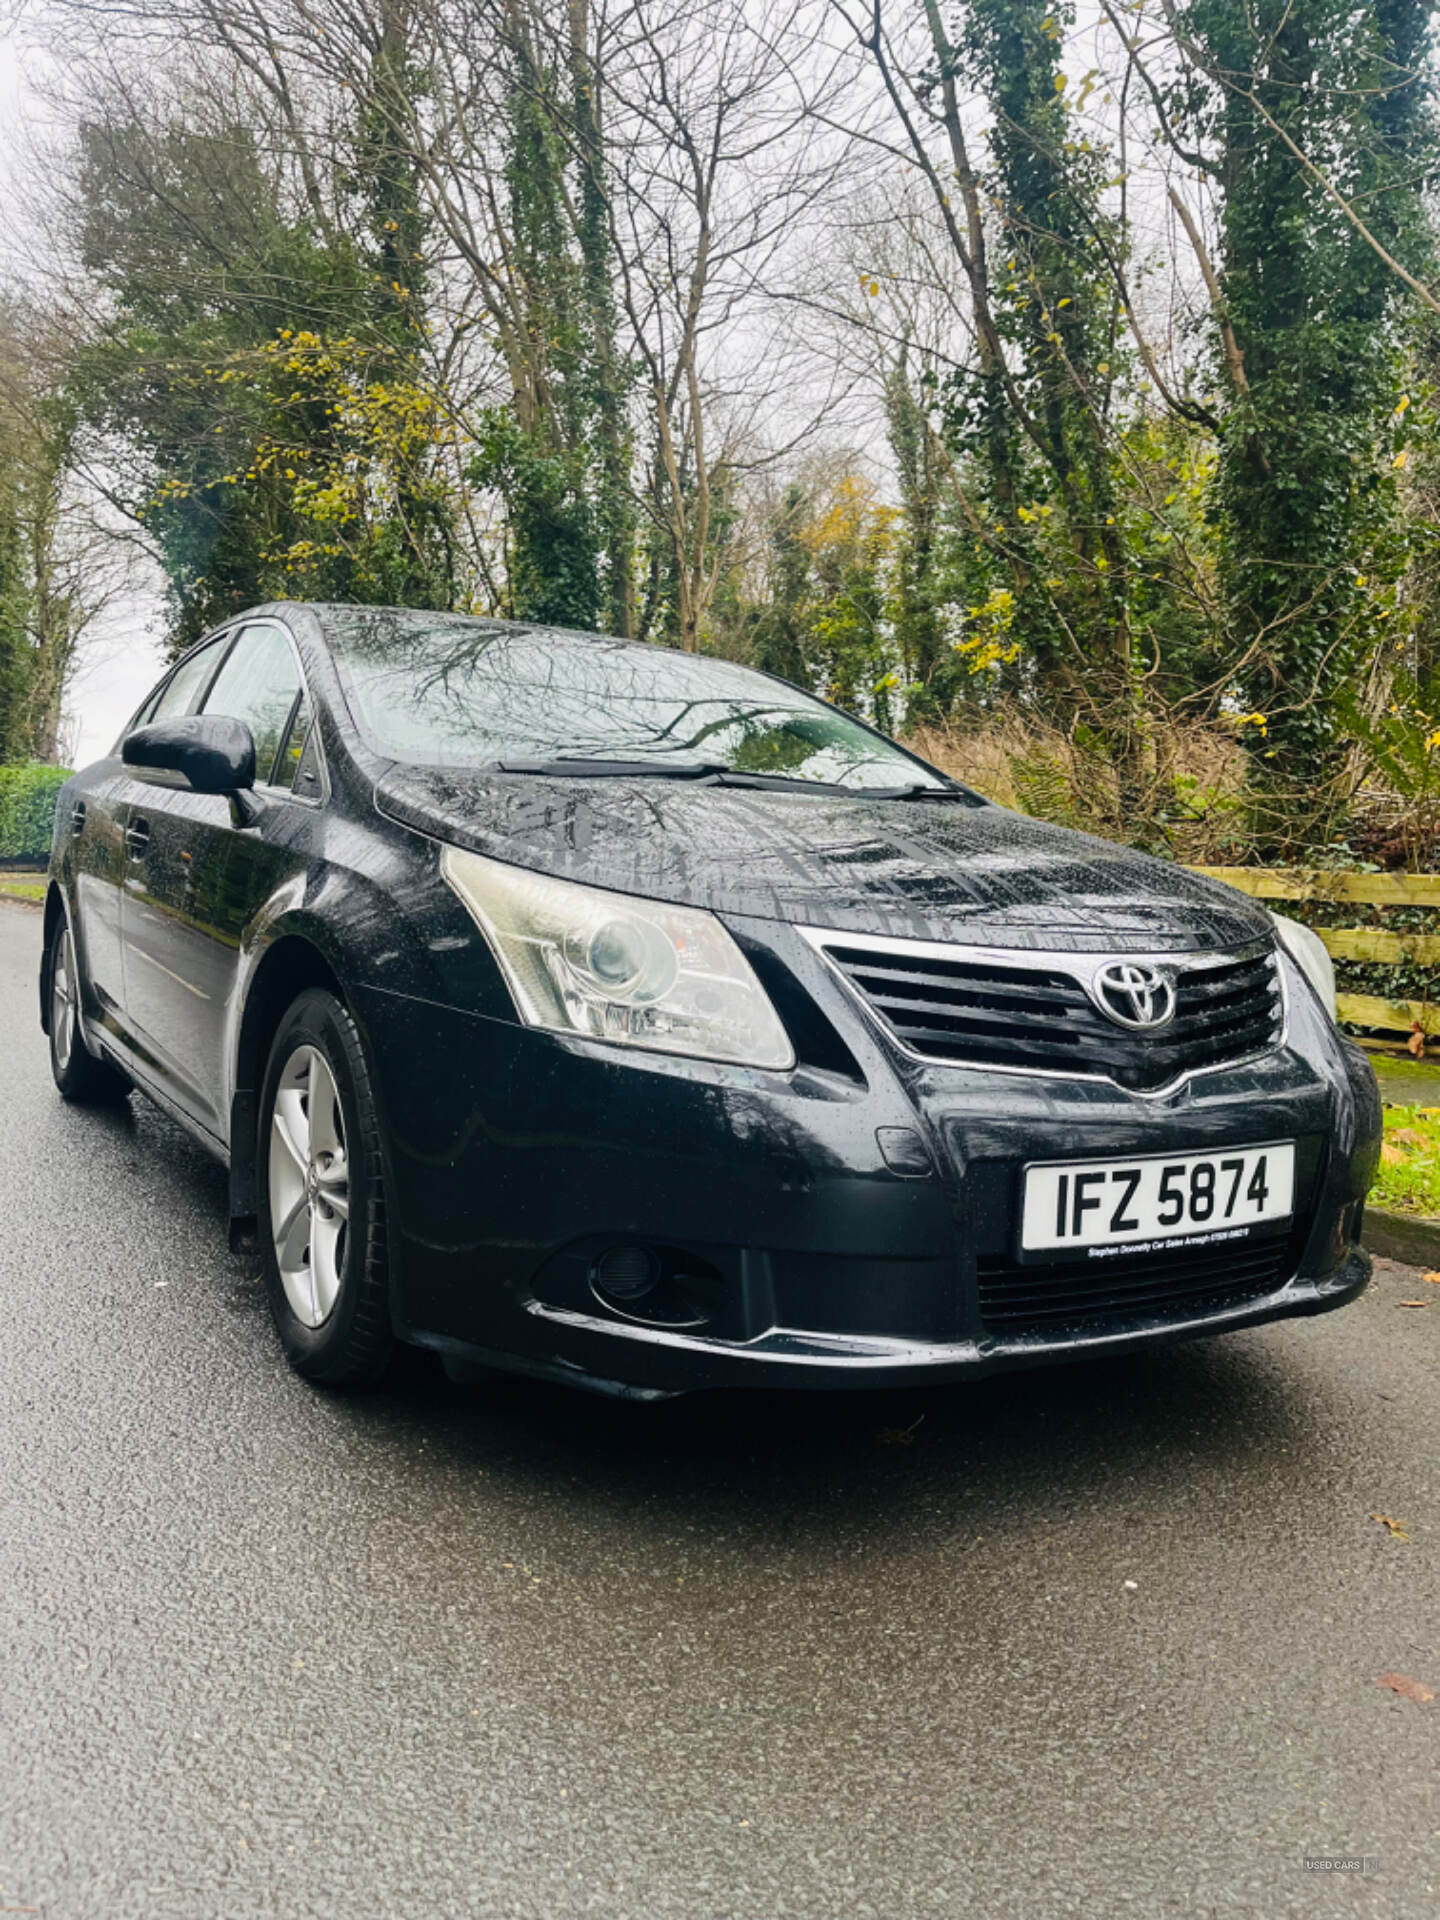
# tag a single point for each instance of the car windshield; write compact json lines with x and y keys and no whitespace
{"x":446,"y":691}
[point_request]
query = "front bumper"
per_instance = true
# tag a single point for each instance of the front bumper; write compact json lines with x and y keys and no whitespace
{"x":657,"y":1362}
{"x":832,"y":1257}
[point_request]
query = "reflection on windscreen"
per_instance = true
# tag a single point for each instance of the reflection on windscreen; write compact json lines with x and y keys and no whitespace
{"x":449,"y":691}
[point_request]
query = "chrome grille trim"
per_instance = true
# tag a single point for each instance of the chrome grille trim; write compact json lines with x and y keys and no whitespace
{"x":1025,"y":989}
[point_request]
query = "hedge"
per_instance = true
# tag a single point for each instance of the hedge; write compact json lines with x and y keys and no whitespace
{"x":27,"y":810}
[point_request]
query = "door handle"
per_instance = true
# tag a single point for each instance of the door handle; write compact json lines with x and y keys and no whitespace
{"x":137,"y":839}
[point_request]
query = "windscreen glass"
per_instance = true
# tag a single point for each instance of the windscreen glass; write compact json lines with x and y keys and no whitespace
{"x":446,"y":691}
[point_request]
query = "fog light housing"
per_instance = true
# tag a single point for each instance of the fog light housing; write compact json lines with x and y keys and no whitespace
{"x":657,"y":1286}
{"x":627,"y":1274}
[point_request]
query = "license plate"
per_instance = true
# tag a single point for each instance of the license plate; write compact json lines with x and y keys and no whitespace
{"x":1108,"y":1206}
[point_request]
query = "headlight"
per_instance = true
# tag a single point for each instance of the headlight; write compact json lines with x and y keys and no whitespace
{"x":635,"y":971}
{"x":1307,"y":950}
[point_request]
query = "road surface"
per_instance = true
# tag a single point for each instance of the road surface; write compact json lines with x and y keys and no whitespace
{"x":1097,"y":1640}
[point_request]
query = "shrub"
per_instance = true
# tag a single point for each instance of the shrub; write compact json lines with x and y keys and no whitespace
{"x":27,"y":810}
{"x":1186,"y":794}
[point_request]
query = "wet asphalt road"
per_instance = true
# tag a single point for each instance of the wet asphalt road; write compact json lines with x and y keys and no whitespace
{"x":509,"y":1652}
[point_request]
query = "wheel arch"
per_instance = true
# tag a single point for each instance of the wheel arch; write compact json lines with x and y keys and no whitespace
{"x":291,"y":963}
{"x":54,"y":911}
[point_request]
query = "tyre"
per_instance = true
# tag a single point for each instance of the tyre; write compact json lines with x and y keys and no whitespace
{"x":82,"y":1078}
{"x":322,"y":1198}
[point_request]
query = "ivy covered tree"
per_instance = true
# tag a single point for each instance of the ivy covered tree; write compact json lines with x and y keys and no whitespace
{"x":1315,"y":120}
{"x":931,"y":672}
{"x":559,"y":450}
{"x":215,"y":271}
{"x":1053,"y":252}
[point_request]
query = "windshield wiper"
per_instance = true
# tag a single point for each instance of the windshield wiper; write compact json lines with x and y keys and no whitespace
{"x":715,"y":773}
{"x":922,"y":790}
{"x":579,"y":766}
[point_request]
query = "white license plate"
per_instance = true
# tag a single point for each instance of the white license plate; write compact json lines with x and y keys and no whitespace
{"x":1113,"y":1204}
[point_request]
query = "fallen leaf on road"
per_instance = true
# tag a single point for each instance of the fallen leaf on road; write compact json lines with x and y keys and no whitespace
{"x":1396,"y":1527}
{"x":1401,"y":1683}
{"x":1412,"y":1303}
{"x":900,"y":1436}
{"x":1433,"y":1278}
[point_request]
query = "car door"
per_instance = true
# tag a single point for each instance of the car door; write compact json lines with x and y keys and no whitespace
{"x":98,"y":812}
{"x":99,"y":822}
{"x":189,"y":896}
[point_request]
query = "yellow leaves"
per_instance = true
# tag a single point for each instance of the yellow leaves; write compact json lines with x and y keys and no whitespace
{"x":989,"y":645}
{"x":1401,"y":458}
{"x":851,"y":519}
{"x":1060,"y":83}
{"x":1392,"y":1526}
{"x":1402,"y":403}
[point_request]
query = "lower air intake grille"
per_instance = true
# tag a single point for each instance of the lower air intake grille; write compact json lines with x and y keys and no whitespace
{"x":1089,"y":1292}
{"x":1035,"y":1012}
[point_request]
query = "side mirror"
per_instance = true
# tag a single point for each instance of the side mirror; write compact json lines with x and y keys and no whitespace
{"x":211,"y":753}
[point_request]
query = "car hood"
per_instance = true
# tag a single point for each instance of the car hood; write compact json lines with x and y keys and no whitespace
{"x":920,"y":870}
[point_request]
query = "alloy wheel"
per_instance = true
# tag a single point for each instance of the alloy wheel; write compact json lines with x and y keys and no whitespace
{"x":309,"y":1185}
{"x":62,"y":999}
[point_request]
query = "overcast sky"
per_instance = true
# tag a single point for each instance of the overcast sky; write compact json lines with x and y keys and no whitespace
{"x":123,"y":656}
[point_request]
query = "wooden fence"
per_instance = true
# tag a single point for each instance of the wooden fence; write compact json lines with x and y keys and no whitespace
{"x":1358,"y":943}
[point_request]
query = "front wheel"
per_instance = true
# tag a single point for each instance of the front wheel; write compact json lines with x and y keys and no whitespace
{"x":81,"y":1078}
{"x":322,"y":1198}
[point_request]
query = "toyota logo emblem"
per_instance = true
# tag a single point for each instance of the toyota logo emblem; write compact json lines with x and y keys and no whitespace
{"x":1134,"y":994}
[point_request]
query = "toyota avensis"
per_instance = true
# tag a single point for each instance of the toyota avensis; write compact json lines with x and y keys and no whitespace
{"x":635,"y":1019}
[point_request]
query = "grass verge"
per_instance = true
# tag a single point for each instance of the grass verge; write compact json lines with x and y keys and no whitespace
{"x":1409,"y":1177}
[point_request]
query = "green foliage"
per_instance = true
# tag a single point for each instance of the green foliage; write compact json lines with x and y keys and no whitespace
{"x":1408,"y":1177}
{"x":554,"y":536}
{"x":259,"y":465}
{"x":14,"y":609}
{"x":1402,"y":740}
{"x":1053,"y":252}
{"x":779,"y":637}
{"x":1311,"y":548}
{"x":928,"y":663}
{"x":825,"y":613}
{"x":559,"y":452}
{"x":27,"y":810}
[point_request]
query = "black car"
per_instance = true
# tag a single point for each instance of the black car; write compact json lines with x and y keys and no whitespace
{"x":604,"y":1012}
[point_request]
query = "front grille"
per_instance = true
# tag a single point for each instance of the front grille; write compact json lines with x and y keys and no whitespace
{"x":1080,"y":1293}
{"x":1008,"y":1012}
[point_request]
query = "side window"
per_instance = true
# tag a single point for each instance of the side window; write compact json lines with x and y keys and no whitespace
{"x":185,"y":684}
{"x":258,"y":684}
{"x":288,"y":764}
